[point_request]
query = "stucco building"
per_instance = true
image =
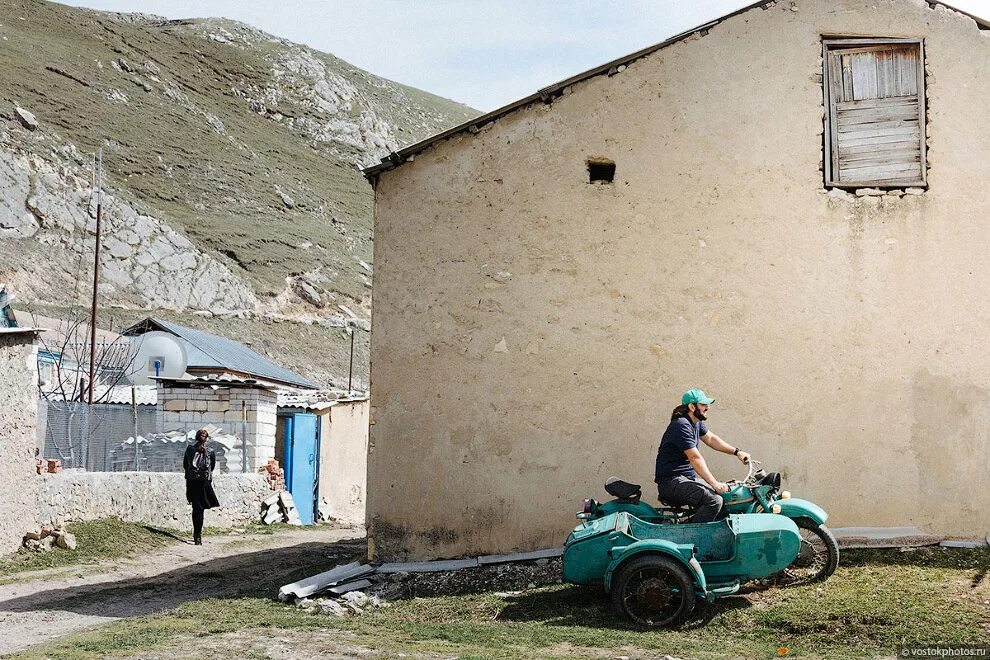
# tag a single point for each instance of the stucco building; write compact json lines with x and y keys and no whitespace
{"x":18,"y":418}
{"x":786,"y":207}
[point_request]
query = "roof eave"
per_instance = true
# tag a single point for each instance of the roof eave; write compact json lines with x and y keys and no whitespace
{"x":545,"y":95}
{"x":982,"y":22}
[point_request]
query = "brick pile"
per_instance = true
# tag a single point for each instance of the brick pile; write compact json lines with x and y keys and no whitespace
{"x":273,"y":474}
{"x":50,"y":465}
{"x":49,"y":538}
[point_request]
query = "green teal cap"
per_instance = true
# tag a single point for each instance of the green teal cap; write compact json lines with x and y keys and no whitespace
{"x":696,"y":396}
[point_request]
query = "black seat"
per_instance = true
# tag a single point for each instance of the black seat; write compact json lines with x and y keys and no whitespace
{"x":623,"y":490}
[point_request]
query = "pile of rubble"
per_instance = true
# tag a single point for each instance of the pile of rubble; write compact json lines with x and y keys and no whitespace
{"x":355,"y":588}
{"x":273,"y":474}
{"x":348,"y":604}
{"x":49,"y":538}
{"x":280,"y":507}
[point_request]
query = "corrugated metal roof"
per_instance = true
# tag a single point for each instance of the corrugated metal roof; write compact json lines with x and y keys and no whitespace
{"x":221,"y":379}
{"x":146,"y":395}
{"x":547,"y":94}
{"x":318,"y":400}
{"x":208,"y":351}
{"x":21,"y":331}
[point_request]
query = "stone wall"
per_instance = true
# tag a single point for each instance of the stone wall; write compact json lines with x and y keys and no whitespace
{"x":18,"y":419}
{"x":533,"y":330}
{"x":247,"y":411}
{"x":154,"y":498}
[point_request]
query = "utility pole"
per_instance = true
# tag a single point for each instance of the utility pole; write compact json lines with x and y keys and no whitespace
{"x":98,"y":179}
{"x":350,"y":364}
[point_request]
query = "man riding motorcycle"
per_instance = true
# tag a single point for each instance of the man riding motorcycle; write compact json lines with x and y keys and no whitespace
{"x":682,"y":476}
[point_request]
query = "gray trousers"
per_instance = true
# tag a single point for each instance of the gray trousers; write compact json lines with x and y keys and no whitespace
{"x":685,"y":491}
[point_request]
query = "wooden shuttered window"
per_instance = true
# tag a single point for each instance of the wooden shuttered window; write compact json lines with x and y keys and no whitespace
{"x":875,"y":124}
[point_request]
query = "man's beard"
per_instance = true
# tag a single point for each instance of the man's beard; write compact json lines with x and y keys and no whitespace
{"x":700,"y":415}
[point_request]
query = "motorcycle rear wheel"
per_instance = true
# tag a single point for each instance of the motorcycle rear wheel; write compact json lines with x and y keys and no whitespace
{"x":654,"y":591}
{"x":818,"y":556}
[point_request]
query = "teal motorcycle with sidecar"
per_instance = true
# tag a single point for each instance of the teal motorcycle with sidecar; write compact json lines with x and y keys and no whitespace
{"x":758,"y":492}
{"x":656,"y":564}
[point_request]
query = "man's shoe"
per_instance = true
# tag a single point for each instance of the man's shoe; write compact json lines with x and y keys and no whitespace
{"x":198,"y":540}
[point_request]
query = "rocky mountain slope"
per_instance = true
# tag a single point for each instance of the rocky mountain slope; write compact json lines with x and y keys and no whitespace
{"x":231,"y":163}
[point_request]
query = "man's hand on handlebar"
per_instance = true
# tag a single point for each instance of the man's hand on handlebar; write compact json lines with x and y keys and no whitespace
{"x":744,"y":457}
{"x":721,"y":487}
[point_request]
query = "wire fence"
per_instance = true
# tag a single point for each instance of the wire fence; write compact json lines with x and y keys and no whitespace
{"x":108,"y":437}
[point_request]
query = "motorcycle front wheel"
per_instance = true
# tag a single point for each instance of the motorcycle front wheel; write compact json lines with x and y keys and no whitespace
{"x":818,"y":555}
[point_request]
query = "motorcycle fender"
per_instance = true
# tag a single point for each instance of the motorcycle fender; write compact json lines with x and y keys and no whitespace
{"x":798,"y":508}
{"x":682,"y":552}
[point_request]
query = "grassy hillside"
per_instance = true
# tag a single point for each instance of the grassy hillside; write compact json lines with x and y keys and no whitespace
{"x":246,"y":144}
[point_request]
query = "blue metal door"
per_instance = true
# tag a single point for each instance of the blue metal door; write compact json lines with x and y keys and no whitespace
{"x":301,"y":448}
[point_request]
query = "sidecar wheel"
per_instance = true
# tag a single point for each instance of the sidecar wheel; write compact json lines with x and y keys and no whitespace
{"x":818,"y":556}
{"x":654,"y":591}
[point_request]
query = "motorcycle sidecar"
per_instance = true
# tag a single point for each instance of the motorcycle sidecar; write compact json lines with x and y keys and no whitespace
{"x":655,"y":572}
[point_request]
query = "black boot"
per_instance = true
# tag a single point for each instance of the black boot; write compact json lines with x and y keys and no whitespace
{"x":198,"y":540}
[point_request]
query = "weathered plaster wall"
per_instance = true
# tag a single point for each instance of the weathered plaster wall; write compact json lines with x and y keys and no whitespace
{"x":154,"y":498}
{"x":344,"y":462}
{"x":532,"y":332}
{"x":18,"y":418}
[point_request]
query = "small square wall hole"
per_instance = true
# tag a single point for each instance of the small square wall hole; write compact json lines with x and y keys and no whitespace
{"x":601,"y":170}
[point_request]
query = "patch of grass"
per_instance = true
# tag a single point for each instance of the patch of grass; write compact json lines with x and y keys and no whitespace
{"x":98,"y":540}
{"x":865,"y":609}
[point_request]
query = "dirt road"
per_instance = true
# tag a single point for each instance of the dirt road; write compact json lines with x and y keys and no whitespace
{"x":48,"y":604}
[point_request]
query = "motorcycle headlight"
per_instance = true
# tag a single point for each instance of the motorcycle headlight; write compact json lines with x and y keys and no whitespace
{"x":775,"y":508}
{"x":785,"y":495}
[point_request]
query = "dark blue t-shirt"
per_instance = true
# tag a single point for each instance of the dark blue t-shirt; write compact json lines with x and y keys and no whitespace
{"x":680,"y":436}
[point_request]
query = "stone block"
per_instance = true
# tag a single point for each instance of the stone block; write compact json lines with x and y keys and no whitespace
{"x":232,"y":416}
{"x":197,"y":405}
{"x":262,"y":441}
{"x":217,"y":406}
{"x":177,"y":404}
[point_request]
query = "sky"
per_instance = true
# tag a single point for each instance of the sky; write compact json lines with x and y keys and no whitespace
{"x":485,"y":54}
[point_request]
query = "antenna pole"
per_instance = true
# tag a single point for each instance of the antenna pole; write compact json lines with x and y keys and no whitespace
{"x":98,"y":175}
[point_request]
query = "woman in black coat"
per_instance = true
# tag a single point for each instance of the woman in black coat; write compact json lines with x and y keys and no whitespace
{"x":198,"y":464}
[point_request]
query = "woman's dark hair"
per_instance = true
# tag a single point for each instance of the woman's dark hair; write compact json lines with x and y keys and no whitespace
{"x":202,"y":436}
{"x":679,"y":411}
